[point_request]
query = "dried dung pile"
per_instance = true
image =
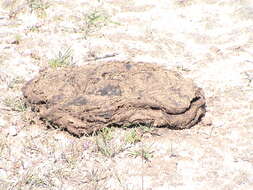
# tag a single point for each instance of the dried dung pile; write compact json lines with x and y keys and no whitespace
{"x":87,"y":98}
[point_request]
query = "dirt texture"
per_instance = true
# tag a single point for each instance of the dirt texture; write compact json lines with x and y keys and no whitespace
{"x":87,"y":98}
{"x":210,"y":42}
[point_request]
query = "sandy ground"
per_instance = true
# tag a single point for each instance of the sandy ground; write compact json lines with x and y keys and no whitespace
{"x":209,"y":41}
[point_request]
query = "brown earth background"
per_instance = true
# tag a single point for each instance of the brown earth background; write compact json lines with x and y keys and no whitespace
{"x":208,"y":41}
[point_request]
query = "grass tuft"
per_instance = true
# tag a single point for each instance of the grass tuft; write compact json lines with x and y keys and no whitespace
{"x":132,"y":137}
{"x":105,"y":144}
{"x":144,"y":152}
{"x":94,"y":21}
{"x":38,"y":6}
{"x":63,"y":59}
{"x":15,"y":104}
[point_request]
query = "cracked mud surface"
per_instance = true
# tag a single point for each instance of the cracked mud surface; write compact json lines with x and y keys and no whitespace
{"x":209,"y":42}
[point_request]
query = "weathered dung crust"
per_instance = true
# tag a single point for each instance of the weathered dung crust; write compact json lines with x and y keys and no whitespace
{"x":87,"y":98}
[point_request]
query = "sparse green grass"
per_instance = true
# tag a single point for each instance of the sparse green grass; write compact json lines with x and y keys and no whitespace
{"x":144,"y":152}
{"x":107,"y":133}
{"x":63,"y":59}
{"x":3,"y":146}
{"x":72,"y":156}
{"x":71,"y":159}
{"x":132,"y":137}
{"x":137,"y":131}
{"x":109,"y":144}
{"x":104,"y":147}
{"x":122,"y":183}
{"x":15,"y":7}
{"x":105,"y":144}
{"x":34,"y":178}
{"x":38,"y":6}
{"x":14,"y":83}
{"x":94,"y":21}
{"x":34,"y":28}
{"x":15,"y":104}
{"x":95,"y":178}
{"x":31,"y":147}
{"x":147,"y":128}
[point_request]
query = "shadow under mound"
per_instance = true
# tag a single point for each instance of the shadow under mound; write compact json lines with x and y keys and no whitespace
{"x":85,"y":99}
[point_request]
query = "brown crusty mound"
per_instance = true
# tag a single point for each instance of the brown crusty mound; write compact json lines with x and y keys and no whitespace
{"x":87,"y":98}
